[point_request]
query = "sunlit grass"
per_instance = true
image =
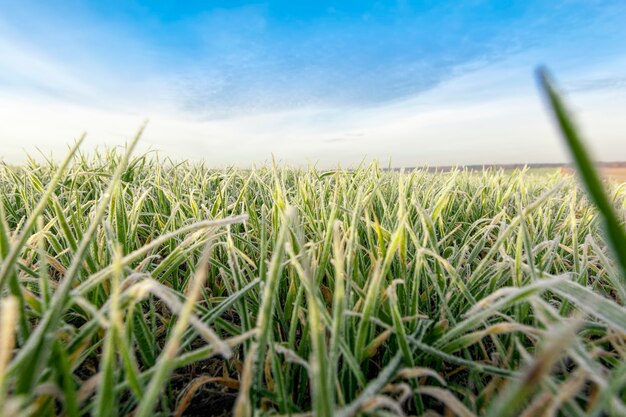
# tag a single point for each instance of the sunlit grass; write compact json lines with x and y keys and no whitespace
{"x":133,"y":285}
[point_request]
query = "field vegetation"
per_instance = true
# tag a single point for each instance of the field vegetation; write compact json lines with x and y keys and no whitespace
{"x":132,"y":285}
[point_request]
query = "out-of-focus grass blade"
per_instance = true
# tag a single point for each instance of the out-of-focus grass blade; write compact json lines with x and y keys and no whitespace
{"x":33,"y":352}
{"x":166,"y":363}
{"x":321,"y":386}
{"x":64,"y":370}
{"x":266,"y":310}
{"x":586,"y":169}
{"x":375,"y":385}
{"x":513,"y":397}
{"x":339,"y":301}
{"x":447,"y":398}
{"x":105,"y":398}
{"x":143,"y":337}
{"x":8,"y":322}
{"x":5,"y":238}
{"x":592,"y":303}
{"x":243,"y":407}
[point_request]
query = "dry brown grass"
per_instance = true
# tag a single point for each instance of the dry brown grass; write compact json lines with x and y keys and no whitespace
{"x":614,"y":173}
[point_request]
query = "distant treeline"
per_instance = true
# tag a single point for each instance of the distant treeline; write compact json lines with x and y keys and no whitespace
{"x":446,"y":168}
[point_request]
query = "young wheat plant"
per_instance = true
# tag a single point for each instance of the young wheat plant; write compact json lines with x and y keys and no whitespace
{"x":131,"y":285}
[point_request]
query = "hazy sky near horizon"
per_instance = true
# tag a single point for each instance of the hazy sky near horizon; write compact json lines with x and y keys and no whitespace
{"x":428,"y":82}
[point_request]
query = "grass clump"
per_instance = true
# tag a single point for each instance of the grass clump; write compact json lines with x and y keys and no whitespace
{"x":136,"y":286}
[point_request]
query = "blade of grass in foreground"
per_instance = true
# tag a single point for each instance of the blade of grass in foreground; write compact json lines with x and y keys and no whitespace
{"x":321,"y":391}
{"x":165,"y":366}
{"x":586,"y":169}
{"x":33,"y":352}
{"x":266,"y":310}
{"x":8,"y":321}
{"x":105,"y":398}
{"x":508,"y":402}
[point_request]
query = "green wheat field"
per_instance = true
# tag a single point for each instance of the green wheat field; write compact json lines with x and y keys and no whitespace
{"x":134,"y":286}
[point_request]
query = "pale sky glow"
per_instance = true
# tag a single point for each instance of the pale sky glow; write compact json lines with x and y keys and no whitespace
{"x":326,"y":84}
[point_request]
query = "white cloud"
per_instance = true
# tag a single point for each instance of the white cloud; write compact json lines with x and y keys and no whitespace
{"x":488,"y":114}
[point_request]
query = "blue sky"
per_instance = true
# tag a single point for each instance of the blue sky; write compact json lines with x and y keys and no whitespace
{"x":312,"y":82}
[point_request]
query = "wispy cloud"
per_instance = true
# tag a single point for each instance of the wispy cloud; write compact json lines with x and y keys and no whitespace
{"x":613,"y":83}
{"x":442,"y":83}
